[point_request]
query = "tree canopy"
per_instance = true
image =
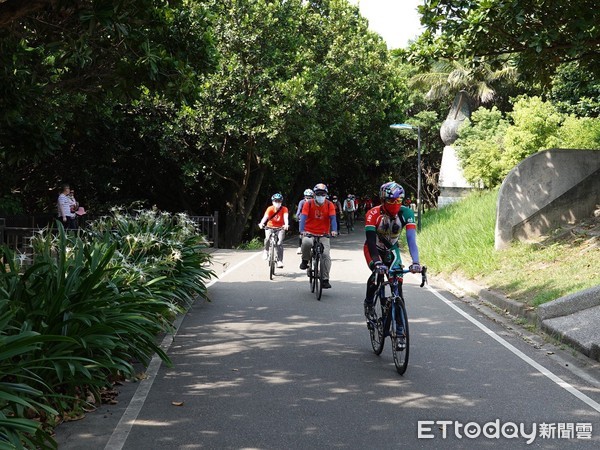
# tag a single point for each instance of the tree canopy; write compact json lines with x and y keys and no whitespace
{"x":204,"y":105}
{"x":195,"y":105}
{"x":540,"y":35}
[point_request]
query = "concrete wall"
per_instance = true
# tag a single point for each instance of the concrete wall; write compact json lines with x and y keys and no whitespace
{"x":546,"y":190}
{"x":452,"y":183}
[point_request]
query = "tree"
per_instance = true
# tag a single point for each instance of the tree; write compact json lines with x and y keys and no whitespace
{"x":300,"y":92}
{"x":446,"y":78}
{"x":539,"y":35}
{"x":580,"y":132}
{"x":480,"y":146}
{"x":62,"y":61}
{"x":64,"y":54}
{"x":492,"y":144}
{"x":297,"y":96}
{"x":576,"y":91}
{"x":11,"y":10}
{"x":535,"y":125}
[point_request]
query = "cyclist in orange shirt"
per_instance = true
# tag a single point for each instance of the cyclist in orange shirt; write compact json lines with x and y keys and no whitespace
{"x":276,"y":216}
{"x":318,"y":217}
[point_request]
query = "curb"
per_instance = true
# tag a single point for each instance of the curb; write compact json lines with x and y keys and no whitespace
{"x":570,"y":304}
{"x":495,"y":298}
{"x":546,"y":316}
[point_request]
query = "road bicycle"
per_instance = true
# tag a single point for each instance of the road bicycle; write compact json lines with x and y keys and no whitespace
{"x":349,"y":221}
{"x":315,"y":269}
{"x":388,"y":316}
{"x":272,"y":251}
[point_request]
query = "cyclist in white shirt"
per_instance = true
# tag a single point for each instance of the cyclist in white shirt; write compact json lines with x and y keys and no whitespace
{"x":349,"y":210}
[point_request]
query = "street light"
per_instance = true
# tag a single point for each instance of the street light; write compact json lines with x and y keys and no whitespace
{"x":406,"y":126}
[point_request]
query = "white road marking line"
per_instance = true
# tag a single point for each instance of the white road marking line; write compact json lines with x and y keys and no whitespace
{"x":123,"y":428}
{"x":559,"y":381}
{"x":232,"y":268}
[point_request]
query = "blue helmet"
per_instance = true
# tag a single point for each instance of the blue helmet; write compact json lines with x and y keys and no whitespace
{"x":277,"y":197}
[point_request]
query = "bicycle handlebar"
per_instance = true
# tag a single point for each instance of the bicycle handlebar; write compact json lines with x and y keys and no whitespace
{"x":274,"y":229}
{"x":402,"y":271}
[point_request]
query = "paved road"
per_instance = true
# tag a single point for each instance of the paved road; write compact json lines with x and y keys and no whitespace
{"x":267,"y":366}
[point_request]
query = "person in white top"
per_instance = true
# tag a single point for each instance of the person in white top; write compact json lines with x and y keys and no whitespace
{"x":65,"y":205}
{"x":349,"y":210}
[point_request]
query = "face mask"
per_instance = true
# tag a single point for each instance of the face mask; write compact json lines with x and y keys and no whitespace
{"x":392,"y":210}
{"x":276,"y":205}
{"x":320,"y":199}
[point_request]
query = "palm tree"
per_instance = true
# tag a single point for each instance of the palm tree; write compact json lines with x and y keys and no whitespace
{"x":447,"y":78}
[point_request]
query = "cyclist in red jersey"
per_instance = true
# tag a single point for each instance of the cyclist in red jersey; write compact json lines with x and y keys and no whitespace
{"x":383,"y":225}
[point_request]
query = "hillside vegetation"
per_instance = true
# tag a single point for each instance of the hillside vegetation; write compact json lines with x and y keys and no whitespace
{"x":460,"y":239}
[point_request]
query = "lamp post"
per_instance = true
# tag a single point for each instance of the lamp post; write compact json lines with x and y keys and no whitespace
{"x":406,"y":126}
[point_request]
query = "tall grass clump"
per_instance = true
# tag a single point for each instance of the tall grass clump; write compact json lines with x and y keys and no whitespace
{"x":162,"y":248}
{"x":21,"y":395}
{"x":460,"y":236}
{"x":89,"y":306}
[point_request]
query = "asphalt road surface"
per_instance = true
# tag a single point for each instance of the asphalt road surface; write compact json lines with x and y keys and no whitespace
{"x":265,"y":365}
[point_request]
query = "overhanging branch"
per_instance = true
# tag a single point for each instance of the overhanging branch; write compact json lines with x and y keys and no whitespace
{"x":11,"y":10}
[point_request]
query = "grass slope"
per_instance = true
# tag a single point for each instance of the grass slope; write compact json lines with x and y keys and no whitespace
{"x":460,"y":238}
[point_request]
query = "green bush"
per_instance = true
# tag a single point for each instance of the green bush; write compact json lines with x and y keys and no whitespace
{"x":256,"y":243}
{"x":490,"y":145}
{"x":89,"y":305}
{"x":580,"y":133}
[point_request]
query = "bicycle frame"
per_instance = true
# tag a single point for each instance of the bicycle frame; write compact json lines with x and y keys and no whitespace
{"x":349,"y":216}
{"x":315,"y":273}
{"x":271,"y":253}
{"x":396,"y":292}
{"x":274,"y":235}
{"x":393,"y":322}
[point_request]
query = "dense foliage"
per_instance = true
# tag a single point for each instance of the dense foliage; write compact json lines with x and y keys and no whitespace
{"x":236,"y":100}
{"x":209,"y":105}
{"x":539,"y":35}
{"x":492,"y":143}
{"x":204,"y":105}
{"x":84,"y":310}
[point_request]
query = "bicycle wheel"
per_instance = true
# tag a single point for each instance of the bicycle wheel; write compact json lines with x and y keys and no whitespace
{"x":271,"y":260}
{"x":318,"y":276}
{"x":375,"y":326}
{"x":400,"y":336}
{"x":312,"y":274}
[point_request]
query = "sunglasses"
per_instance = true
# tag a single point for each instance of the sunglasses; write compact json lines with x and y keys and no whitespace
{"x":393,"y":201}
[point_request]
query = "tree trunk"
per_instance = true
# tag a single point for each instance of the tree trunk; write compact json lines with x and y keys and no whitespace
{"x":242,"y":201}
